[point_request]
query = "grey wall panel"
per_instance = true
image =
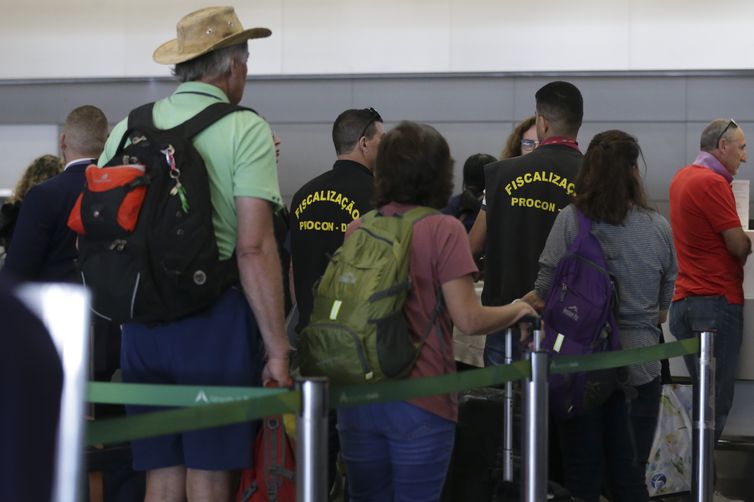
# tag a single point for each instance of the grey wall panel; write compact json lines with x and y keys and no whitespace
{"x":662,"y":207}
{"x":300,"y":101}
{"x":28,"y":104}
{"x":525,"y":88}
{"x":438,"y":100}
{"x":720,"y":97}
{"x":615,"y":98}
{"x":667,"y":112}
{"x":663,"y":146}
{"x":633,"y":99}
{"x":46,"y":103}
{"x":116,"y":105}
{"x":306,"y":151}
{"x":467,"y":139}
{"x":20,"y":144}
{"x":693,"y":134}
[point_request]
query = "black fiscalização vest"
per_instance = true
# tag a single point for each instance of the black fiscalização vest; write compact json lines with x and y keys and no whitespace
{"x":524,"y":196}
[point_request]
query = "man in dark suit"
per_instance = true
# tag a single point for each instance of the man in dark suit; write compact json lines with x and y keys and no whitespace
{"x":43,"y":247}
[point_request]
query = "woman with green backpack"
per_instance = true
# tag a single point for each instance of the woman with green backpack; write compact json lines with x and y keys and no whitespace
{"x":400,"y":450}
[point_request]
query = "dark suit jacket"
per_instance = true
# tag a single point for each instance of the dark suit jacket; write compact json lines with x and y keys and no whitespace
{"x":43,"y":247}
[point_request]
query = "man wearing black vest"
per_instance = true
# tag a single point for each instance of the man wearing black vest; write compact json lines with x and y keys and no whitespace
{"x":322,"y":209}
{"x":524,"y":195}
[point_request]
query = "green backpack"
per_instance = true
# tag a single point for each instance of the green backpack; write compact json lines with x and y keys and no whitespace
{"x":357,"y":331}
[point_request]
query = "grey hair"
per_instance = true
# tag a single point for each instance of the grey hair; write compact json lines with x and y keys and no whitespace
{"x":211,"y":65}
{"x":711,"y":133}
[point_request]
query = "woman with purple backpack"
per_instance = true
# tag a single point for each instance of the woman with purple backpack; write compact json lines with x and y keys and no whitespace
{"x":608,"y":446}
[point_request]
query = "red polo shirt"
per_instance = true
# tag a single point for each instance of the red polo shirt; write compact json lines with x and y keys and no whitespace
{"x":701,"y":208}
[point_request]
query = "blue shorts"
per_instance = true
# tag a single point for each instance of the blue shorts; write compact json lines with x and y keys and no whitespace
{"x":218,"y":346}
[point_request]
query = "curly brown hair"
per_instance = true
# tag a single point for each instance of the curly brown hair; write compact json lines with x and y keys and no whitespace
{"x":413,"y":167}
{"x":513,"y":144}
{"x":40,"y":169}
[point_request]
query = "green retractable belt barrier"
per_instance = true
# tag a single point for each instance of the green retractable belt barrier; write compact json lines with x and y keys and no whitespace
{"x":203,"y":406}
{"x":171,"y":395}
{"x":398,"y":390}
{"x":195,"y":417}
{"x":573,"y":364}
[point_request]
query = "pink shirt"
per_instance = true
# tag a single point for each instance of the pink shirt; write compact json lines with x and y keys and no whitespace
{"x":440,"y":252}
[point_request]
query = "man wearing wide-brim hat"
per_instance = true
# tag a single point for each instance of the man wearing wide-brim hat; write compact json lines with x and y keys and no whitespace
{"x":225,"y":344}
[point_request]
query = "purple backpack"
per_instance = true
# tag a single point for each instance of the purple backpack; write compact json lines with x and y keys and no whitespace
{"x":580,"y":318}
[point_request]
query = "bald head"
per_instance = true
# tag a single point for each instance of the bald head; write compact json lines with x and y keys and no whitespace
{"x":84,"y":133}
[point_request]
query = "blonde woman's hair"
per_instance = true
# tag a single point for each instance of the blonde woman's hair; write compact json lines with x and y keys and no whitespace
{"x":40,"y":169}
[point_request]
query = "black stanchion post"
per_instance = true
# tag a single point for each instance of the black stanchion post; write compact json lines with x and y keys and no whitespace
{"x":311,"y":455}
{"x":508,"y":413}
{"x":702,"y":484}
{"x":536,"y":414}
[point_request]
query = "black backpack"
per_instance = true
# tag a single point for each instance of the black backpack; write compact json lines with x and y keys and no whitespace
{"x":147,"y":247}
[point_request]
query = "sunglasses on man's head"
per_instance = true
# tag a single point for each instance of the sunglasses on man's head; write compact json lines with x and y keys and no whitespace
{"x":731,"y":123}
{"x":374,"y":116}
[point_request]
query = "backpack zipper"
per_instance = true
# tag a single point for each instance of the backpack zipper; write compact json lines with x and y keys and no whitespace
{"x":375,"y":235}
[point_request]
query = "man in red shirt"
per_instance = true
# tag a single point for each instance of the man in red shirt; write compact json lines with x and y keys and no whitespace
{"x":712,"y":249}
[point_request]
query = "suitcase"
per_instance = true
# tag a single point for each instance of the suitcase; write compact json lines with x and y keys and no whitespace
{"x":476,"y":465}
{"x":472,"y":473}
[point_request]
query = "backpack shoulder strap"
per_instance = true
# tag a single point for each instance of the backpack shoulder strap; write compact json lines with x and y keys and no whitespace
{"x":586,"y":244}
{"x":585,"y":227}
{"x":206,"y":118}
{"x":138,"y":117}
{"x":141,"y":116}
{"x":369,"y":215}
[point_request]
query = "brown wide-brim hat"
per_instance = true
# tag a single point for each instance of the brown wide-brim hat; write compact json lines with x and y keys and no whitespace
{"x":204,"y":31}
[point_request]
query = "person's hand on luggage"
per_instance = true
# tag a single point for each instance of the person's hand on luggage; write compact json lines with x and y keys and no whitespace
{"x":533,"y":299}
{"x":524,"y":311}
{"x":276,"y":369}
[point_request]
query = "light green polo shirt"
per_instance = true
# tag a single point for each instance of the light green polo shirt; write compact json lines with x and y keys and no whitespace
{"x":238,"y":152}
